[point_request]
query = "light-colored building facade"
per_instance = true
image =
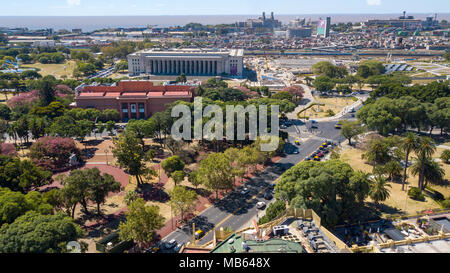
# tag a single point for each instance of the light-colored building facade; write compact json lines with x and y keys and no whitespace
{"x":191,"y":62}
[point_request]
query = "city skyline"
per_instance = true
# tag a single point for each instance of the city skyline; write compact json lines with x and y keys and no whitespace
{"x":199,"y":7}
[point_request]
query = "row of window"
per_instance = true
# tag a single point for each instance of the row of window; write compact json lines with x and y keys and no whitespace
{"x":133,"y":107}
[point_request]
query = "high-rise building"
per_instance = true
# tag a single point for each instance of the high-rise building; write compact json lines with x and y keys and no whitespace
{"x":323,"y":27}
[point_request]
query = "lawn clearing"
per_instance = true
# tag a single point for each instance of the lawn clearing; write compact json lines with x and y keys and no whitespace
{"x":398,"y":197}
{"x":334,"y":104}
{"x":57,"y":70}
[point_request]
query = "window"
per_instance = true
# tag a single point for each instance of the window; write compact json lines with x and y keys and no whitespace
{"x":141,"y":108}
{"x":133,"y":107}
{"x":124,"y":107}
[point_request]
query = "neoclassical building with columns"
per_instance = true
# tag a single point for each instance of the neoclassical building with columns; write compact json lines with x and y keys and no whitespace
{"x":191,"y":62}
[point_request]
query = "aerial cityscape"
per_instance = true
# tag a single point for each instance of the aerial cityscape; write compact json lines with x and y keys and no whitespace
{"x":323,"y":132}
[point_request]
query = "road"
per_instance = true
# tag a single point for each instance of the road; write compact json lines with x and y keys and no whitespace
{"x":236,"y":210}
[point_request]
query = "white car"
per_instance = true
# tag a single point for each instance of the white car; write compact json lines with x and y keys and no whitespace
{"x":260,"y":205}
{"x":170,"y":244}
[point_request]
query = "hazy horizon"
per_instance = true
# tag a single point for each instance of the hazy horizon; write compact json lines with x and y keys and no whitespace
{"x":125,"y":21}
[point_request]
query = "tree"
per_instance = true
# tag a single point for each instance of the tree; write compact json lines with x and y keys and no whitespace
{"x":36,"y":233}
{"x":181,"y":78}
{"x":141,"y":223}
{"x":14,"y":204}
{"x":130,"y":196}
{"x":393,"y":169}
{"x":130,"y":155}
{"x":121,"y":66}
{"x":64,"y":126}
{"x":110,"y":114}
{"x":194,"y":179}
{"x":379,"y":191}
{"x":172,"y":164}
{"x":53,"y":152}
{"x":177,"y":176}
{"x":326,"y":68}
{"x":46,"y":87}
{"x":85,"y":128}
{"x":215,"y":172}
{"x":424,"y":151}
{"x":20,"y":175}
{"x":370,"y":68}
{"x":377,"y":152}
{"x":182,"y":200}
{"x":332,"y":189}
{"x":100,"y":186}
{"x":410,"y":143}
{"x":432,"y":171}
{"x":110,"y":125}
{"x":273,"y":211}
{"x":5,"y":112}
{"x":351,"y":129}
{"x":445,"y":156}
{"x":142,"y":128}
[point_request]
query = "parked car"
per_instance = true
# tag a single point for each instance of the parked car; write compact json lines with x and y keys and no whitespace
{"x":260,"y":205}
{"x":199,"y":234}
{"x":178,"y":247}
{"x":245,"y":191}
{"x":170,"y":244}
{"x":268,"y":196}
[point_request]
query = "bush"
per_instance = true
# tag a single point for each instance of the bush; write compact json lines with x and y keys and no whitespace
{"x":415,"y":194}
{"x":273,"y":211}
{"x":446,"y":204}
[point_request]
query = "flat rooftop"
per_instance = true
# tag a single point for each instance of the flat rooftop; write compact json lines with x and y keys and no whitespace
{"x":233,"y":244}
{"x":192,"y":51}
{"x":437,"y":246}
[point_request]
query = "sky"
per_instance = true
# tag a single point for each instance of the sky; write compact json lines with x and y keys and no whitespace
{"x":213,"y":7}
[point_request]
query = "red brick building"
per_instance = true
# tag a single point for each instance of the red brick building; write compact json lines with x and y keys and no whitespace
{"x":133,"y":99}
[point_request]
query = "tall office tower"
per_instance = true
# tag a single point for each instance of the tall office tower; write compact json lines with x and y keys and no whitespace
{"x":323,"y":27}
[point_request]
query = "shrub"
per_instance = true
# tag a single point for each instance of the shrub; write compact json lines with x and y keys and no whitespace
{"x":273,"y":211}
{"x":415,"y":194}
{"x":446,"y":204}
{"x":445,"y":156}
{"x":8,"y":149}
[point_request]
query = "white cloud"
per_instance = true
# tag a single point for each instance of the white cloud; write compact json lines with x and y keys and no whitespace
{"x":373,"y":2}
{"x":73,"y":2}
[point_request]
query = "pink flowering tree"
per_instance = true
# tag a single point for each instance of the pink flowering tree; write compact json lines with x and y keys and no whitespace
{"x":63,"y":89}
{"x":297,"y":92}
{"x":8,"y":149}
{"x":53,"y":153}
{"x":26,"y":99}
{"x":249,"y":93}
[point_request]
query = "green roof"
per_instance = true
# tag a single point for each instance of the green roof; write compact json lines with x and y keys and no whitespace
{"x":268,"y":246}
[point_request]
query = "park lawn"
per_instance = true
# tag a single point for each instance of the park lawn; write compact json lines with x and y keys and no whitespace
{"x":398,"y":198}
{"x":57,"y":70}
{"x":119,"y":75}
{"x":334,"y":104}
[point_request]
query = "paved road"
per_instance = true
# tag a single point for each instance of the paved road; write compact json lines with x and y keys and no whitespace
{"x":235,"y":210}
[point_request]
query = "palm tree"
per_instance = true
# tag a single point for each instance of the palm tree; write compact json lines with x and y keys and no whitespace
{"x":392,"y":169}
{"x":410,"y":143}
{"x":433,"y":173}
{"x":425,"y":150}
{"x":379,"y":189}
